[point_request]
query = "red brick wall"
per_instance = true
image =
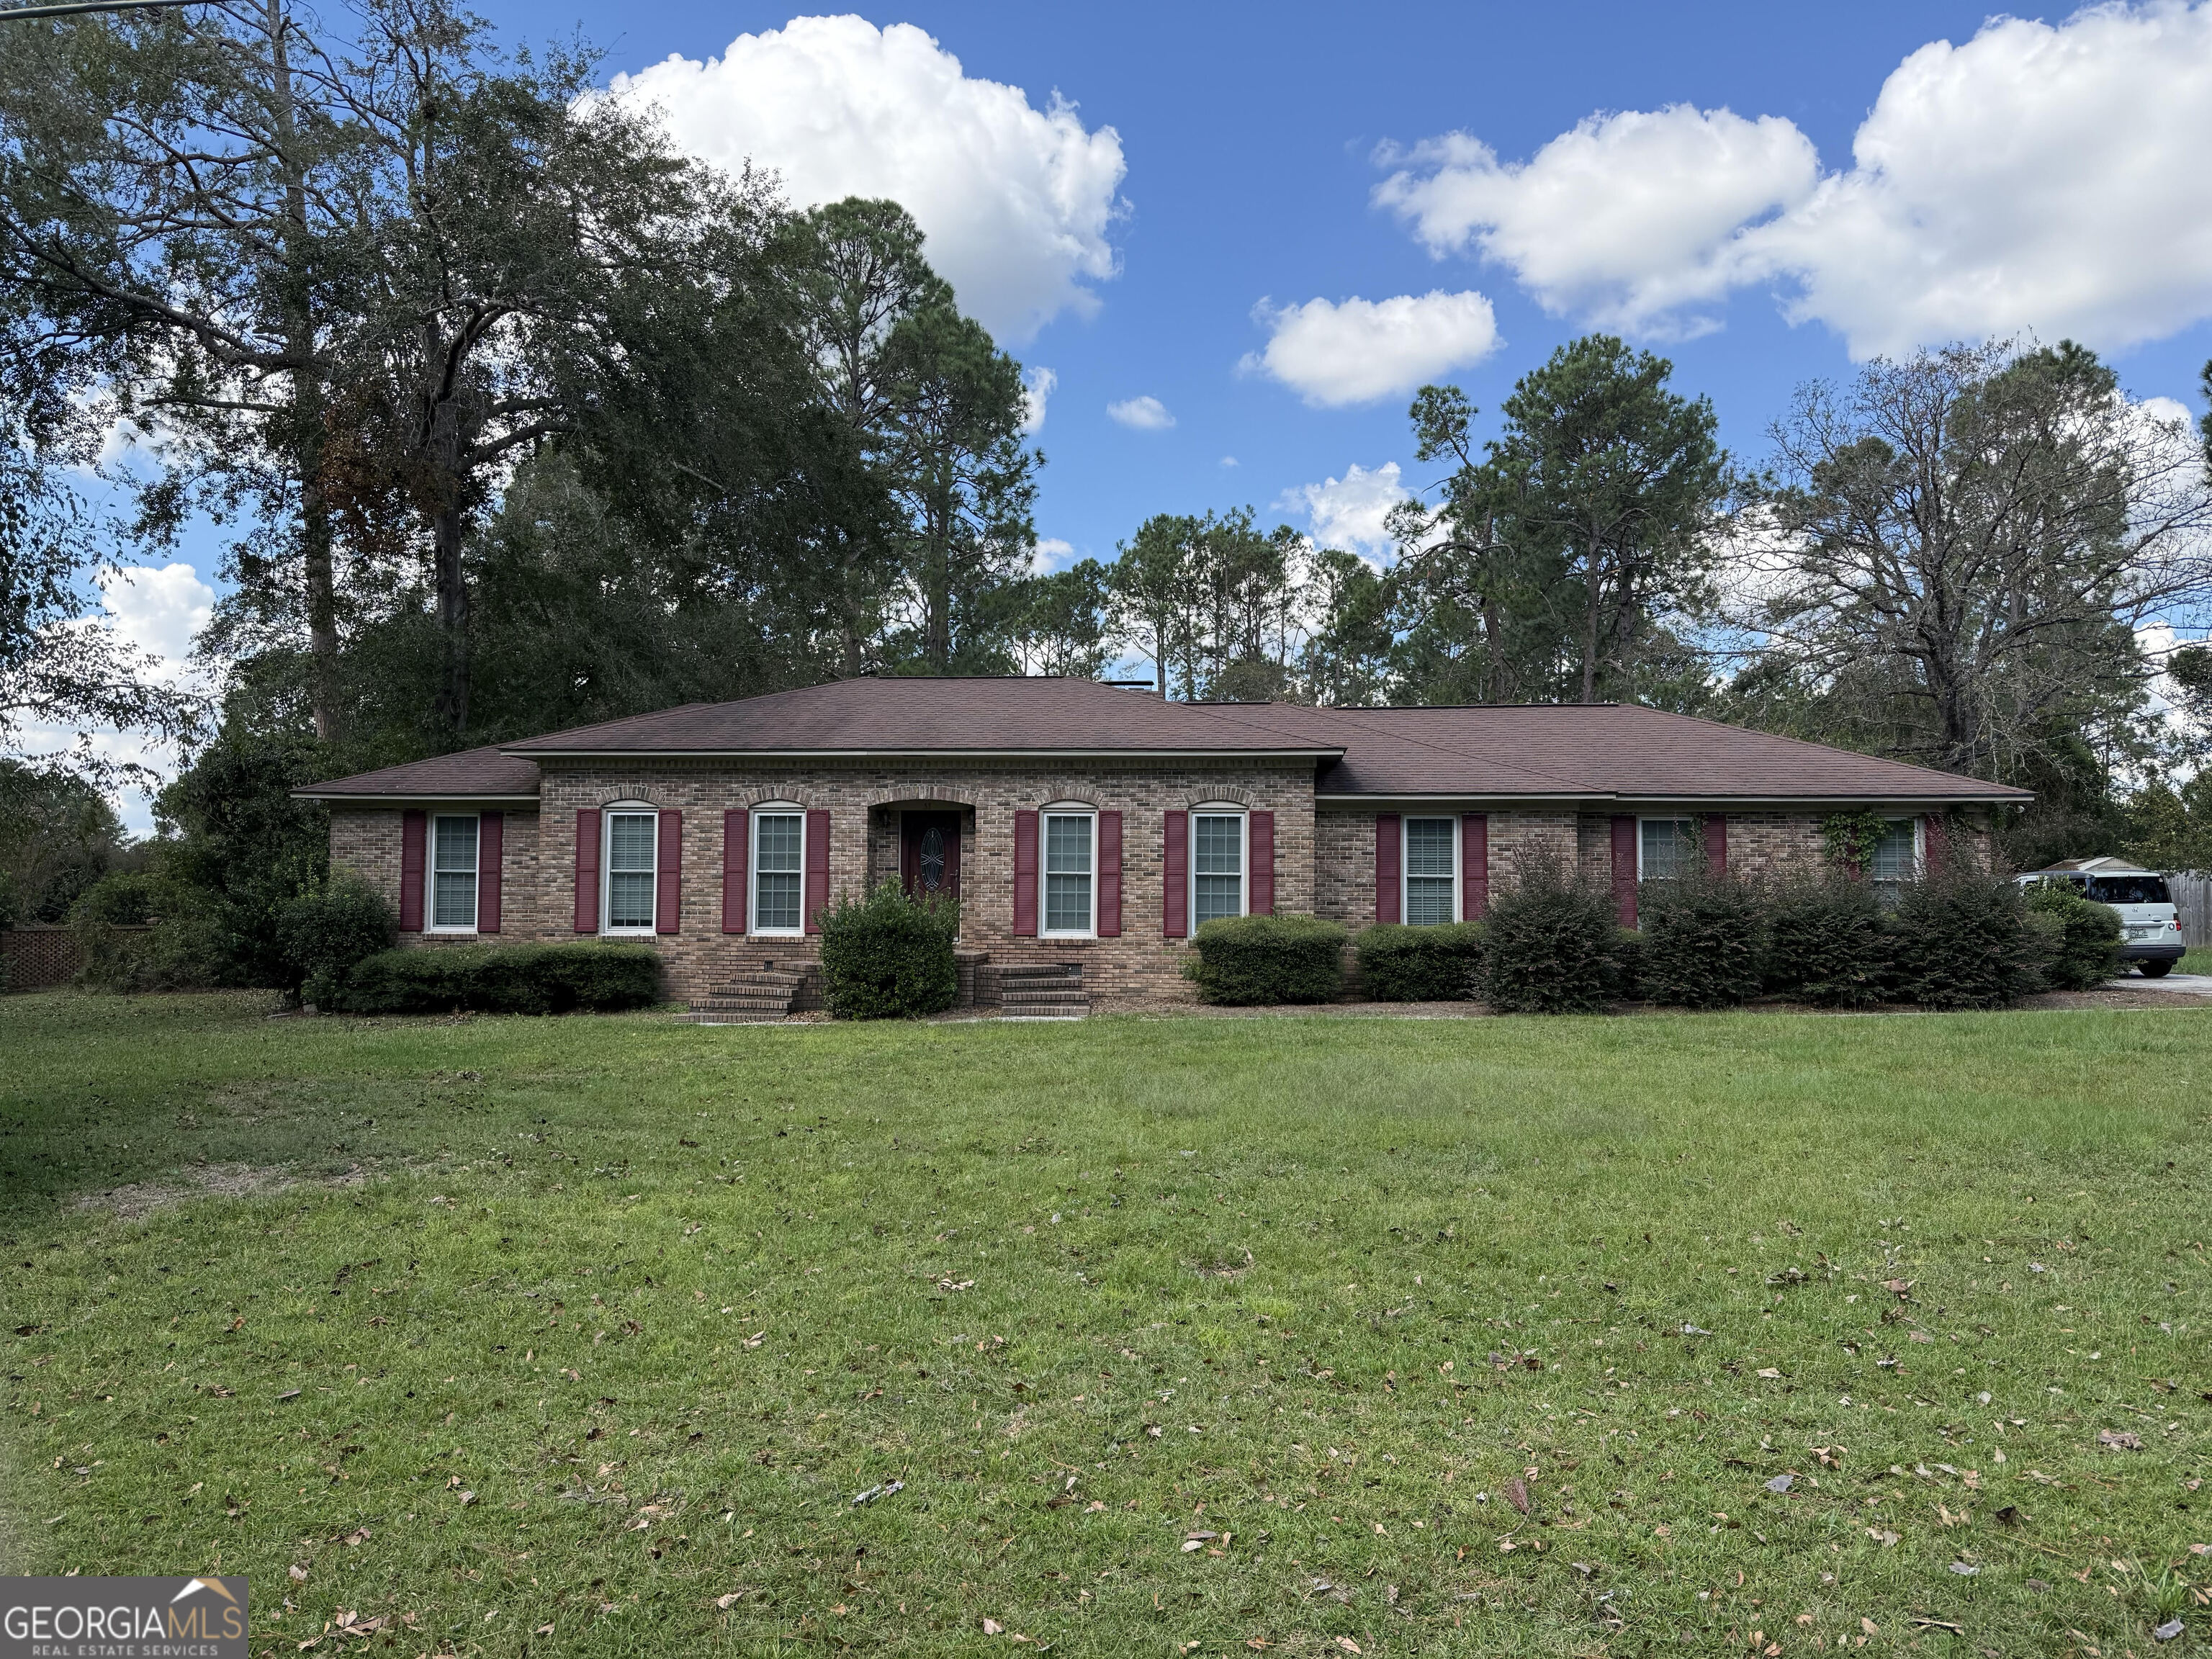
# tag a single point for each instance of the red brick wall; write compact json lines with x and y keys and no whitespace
{"x":863,"y":804}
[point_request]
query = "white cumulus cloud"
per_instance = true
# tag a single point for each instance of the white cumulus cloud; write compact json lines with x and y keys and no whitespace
{"x":1015,"y":202}
{"x":1358,"y":351}
{"x":1037,"y":385}
{"x":1145,"y":413}
{"x":1051,"y":554}
{"x":158,"y":610}
{"x":1351,"y":511}
{"x":1625,"y":218}
{"x":2040,"y":177}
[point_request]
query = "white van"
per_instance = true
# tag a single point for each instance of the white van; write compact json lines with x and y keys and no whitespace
{"x":2150,"y":927}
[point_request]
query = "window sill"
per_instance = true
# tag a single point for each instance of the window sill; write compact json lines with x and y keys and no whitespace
{"x":629,"y":933}
{"x":452,"y":933}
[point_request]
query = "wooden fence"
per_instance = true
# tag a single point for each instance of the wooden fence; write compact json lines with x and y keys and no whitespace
{"x":2192,"y":897}
{"x":39,"y":957}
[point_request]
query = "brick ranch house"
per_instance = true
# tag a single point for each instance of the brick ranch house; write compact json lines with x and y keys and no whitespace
{"x":1087,"y":829}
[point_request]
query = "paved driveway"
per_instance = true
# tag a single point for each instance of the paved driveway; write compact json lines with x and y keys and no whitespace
{"x":2196,"y":985}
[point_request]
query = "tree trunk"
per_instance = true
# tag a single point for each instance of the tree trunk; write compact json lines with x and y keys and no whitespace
{"x":309,"y":405}
{"x":1590,"y":592}
{"x":447,"y":480}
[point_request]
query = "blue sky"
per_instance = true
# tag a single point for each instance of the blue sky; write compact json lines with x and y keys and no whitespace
{"x":1250,"y":137}
{"x":1182,"y":204}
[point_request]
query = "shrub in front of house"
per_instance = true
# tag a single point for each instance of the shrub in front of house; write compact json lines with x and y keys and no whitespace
{"x":1398,"y":963}
{"x":1962,"y":939}
{"x":1551,"y":944}
{"x":2087,"y":951}
{"x":1257,"y":961}
{"x":325,"y":931}
{"x":502,"y":979}
{"x":1825,"y":944}
{"x":1703,"y":941}
{"x":890,"y":956}
{"x":1627,"y":964}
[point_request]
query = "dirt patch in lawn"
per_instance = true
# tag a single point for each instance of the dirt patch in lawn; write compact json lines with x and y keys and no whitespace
{"x":139,"y":1198}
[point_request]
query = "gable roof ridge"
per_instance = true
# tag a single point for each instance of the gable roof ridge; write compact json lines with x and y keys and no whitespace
{"x":1807,"y":742}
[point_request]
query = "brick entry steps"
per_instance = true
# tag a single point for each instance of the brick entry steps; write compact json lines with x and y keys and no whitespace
{"x":751,"y":996}
{"x":1045,"y":991}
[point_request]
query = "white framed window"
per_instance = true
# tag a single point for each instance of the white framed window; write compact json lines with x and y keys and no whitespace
{"x":778,"y":866}
{"x":1430,"y":871}
{"x":1070,"y":834}
{"x":1896,"y":857}
{"x":453,"y":843}
{"x":1220,"y":863}
{"x":1666,"y":848}
{"x":632,"y":839}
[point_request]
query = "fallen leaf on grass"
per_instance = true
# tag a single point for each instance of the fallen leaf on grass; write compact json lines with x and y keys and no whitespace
{"x":297,"y":1573}
{"x":1780,"y":1483}
{"x":725,"y":1602}
{"x":543,"y":1629}
{"x":1869,"y":1628}
{"x":1938,"y":1624}
{"x":1881,"y":1536}
{"x":1347,"y":1644}
{"x":1964,"y":1570}
{"x":357,"y":1537}
{"x":884,"y":1490}
{"x":992,"y":1627}
{"x":2169,"y":1630}
{"x":1770,"y":1374}
{"x":1517,"y":1493}
{"x":2119,"y":1440}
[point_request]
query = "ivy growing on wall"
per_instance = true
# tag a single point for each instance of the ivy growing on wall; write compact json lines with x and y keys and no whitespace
{"x":1848,"y":839}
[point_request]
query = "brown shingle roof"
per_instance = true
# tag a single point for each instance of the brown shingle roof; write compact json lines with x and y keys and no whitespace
{"x":1597,"y":750}
{"x":471,"y":775}
{"x":901,"y":716}
{"x":1560,"y":751}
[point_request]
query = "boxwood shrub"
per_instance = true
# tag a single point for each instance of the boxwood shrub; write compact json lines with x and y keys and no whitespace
{"x":503,"y":979}
{"x":888,"y":956}
{"x":1253,"y":961}
{"x":1703,"y":941}
{"x":1398,"y":963}
{"x":1549,"y":944}
{"x":1825,"y":943}
{"x":2088,"y":948}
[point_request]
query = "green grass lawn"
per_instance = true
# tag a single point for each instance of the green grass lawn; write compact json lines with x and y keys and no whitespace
{"x":580,"y":1336}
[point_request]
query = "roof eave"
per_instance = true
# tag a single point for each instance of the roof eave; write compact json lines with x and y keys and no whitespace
{"x":407,"y":798}
{"x":994,"y":753}
{"x":1857,"y":798}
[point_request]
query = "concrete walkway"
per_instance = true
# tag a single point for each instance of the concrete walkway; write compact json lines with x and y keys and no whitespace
{"x":2189,"y":985}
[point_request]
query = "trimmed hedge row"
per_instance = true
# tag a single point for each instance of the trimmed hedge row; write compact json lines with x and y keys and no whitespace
{"x":1960,"y":939}
{"x":502,"y":979}
{"x":1397,"y":963}
{"x":1251,"y":961}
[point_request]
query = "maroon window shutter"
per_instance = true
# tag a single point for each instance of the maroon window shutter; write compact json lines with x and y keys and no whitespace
{"x":1026,"y":874}
{"x":1474,"y":864}
{"x":491,"y":857}
{"x":587,"y":871}
{"x":818,"y":867}
{"x":1386,"y":866}
{"x":1109,"y":875}
{"x":1717,"y":844}
{"x":737,"y":849}
{"x":1935,"y":841}
{"x":1260,"y":829}
{"x":668,"y":874}
{"x":1624,"y":871}
{"x":1174,"y":877}
{"x":413,"y":828}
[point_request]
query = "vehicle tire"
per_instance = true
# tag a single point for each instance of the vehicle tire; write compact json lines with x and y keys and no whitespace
{"x":2155,"y":969}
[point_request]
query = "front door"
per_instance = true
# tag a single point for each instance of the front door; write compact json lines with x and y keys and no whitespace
{"x":929,"y":854}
